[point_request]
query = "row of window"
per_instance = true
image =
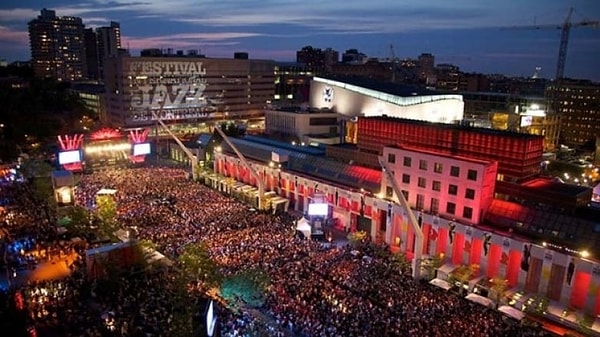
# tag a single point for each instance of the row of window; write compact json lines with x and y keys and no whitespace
{"x":467,"y":211}
{"x":437,"y":167}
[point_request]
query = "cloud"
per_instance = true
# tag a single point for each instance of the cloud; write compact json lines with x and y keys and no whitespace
{"x":17,"y":37}
{"x":185,"y":40}
{"x":535,"y":56}
{"x":18,"y":14}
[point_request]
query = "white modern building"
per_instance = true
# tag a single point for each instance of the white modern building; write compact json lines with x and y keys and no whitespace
{"x":356,"y":98}
{"x":305,"y":125}
{"x":454,"y":187}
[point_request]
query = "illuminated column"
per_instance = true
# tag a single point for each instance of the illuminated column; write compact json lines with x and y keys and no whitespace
{"x":571,"y":264}
{"x":592,"y":304}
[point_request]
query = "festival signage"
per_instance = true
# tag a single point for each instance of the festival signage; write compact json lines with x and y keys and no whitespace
{"x":178,"y":85}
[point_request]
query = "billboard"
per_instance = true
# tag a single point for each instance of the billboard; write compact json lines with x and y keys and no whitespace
{"x":178,"y":84}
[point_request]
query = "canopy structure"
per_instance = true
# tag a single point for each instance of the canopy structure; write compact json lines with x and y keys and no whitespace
{"x":106,"y":191}
{"x":444,"y":271}
{"x":304,"y":226}
{"x":479,"y":299}
{"x":440,"y":283}
{"x":512,"y":312}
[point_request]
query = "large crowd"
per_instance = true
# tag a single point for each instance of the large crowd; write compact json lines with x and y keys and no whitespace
{"x":316,"y":289}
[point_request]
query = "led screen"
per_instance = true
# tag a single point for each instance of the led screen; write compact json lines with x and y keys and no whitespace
{"x":141,"y":149}
{"x":211,"y":320}
{"x":69,"y":157}
{"x":318,"y":209}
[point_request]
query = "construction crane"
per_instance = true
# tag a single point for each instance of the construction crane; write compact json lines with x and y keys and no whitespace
{"x":565,"y":28}
{"x":412,"y":221}
{"x":253,"y":173}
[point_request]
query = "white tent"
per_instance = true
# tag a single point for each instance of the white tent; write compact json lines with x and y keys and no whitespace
{"x":512,"y":312}
{"x":440,"y":283}
{"x":303,"y":226}
{"x":479,"y":299}
{"x":444,"y":271}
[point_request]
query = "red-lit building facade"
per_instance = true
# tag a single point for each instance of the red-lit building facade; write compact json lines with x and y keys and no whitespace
{"x":518,"y":155}
{"x":568,"y":279}
{"x":459,"y":188}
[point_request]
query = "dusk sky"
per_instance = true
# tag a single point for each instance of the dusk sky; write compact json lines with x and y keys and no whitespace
{"x":465,"y":33}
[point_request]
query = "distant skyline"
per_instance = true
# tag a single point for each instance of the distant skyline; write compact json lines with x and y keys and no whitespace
{"x":465,"y":33}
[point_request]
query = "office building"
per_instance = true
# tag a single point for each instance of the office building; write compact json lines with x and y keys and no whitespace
{"x":578,"y":102}
{"x":57,"y":46}
{"x":190,"y":89}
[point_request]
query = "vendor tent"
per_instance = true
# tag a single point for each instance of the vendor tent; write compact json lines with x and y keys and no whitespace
{"x":303,"y":226}
{"x":440,"y":283}
{"x":512,"y":312}
{"x":479,"y":299}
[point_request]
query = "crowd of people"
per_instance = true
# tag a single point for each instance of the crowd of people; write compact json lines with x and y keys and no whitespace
{"x":316,"y":289}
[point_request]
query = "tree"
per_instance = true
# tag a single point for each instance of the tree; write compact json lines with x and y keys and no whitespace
{"x":400,"y":262}
{"x":498,"y":287}
{"x":197,"y":265}
{"x":106,"y":209}
{"x":357,"y":237}
{"x":246,"y":288}
{"x":76,"y":220}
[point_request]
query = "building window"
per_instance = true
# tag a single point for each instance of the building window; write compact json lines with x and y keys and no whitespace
{"x":452,"y":189}
{"x":435,"y":205}
{"x":391,"y":158}
{"x":454,"y":171}
{"x":467,"y":212}
{"x":405,"y":178}
{"x":407,"y":161}
{"x":405,"y":194}
{"x":420,"y":201}
{"x":470,"y":193}
{"x":450,"y":208}
{"x":389,"y":192}
{"x":422,"y":182}
{"x":436,"y":186}
{"x":423,"y":164}
{"x":438,"y":167}
{"x":472,"y":175}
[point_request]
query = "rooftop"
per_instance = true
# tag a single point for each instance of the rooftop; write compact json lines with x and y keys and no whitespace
{"x":468,"y":128}
{"x":443,"y":155}
{"x":549,"y":185}
{"x":396,"y":89}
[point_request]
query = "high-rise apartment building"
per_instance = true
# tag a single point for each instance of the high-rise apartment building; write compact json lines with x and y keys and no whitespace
{"x":578,"y":101}
{"x":109,"y":43}
{"x":57,"y":46}
{"x":91,"y":53}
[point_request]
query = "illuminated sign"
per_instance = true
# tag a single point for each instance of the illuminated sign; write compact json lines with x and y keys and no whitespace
{"x":179,"y":85}
{"x":328,"y":95}
{"x":318,"y":209}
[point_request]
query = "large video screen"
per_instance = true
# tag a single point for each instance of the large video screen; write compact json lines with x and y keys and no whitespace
{"x":318,"y":209}
{"x":141,"y":149}
{"x":69,"y":157}
{"x":211,"y":320}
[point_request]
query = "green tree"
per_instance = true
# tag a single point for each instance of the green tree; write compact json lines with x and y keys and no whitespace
{"x":76,"y":220}
{"x":246,"y":288}
{"x":197,"y":265}
{"x":357,"y":237}
{"x":499,"y":286}
{"x":106,"y":209}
